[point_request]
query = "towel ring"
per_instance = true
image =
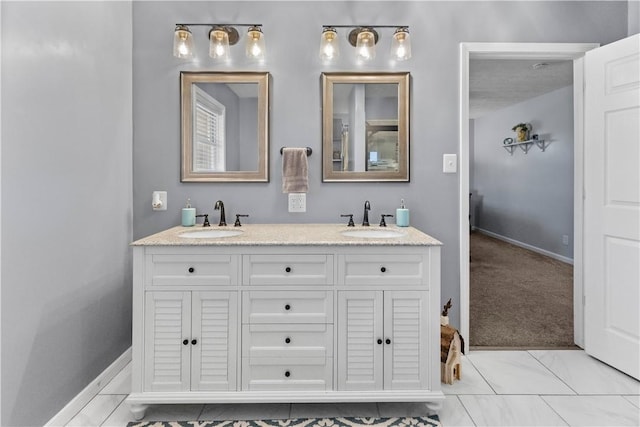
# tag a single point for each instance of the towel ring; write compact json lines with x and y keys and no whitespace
{"x":309,"y":151}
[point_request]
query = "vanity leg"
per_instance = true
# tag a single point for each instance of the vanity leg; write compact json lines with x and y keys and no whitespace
{"x":138,"y":410}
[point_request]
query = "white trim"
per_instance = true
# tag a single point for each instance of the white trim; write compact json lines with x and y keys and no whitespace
{"x":525,"y":246}
{"x":90,"y":391}
{"x":543,"y":51}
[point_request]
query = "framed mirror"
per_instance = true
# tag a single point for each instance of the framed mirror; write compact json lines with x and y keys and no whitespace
{"x":225,"y":126}
{"x":365,"y":127}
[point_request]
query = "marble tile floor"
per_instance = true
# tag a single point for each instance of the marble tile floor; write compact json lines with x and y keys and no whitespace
{"x":498,"y":388}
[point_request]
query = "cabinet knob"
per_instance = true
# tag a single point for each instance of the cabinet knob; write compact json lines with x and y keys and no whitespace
{"x":191,"y":269}
{"x":288,"y":269}
{"x":185,"y":342}
{"x":195,"y":341}
{"x":387,"y":341}
{"x":287,"y":340}
{"x":287,"y":307}
{"x":287,"y":374}
{"x":379,"y":341}
{"x":383,"y":269}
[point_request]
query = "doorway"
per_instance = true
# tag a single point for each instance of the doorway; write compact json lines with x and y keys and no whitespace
{"x":521,"y":203}
{"x":521,"y":51}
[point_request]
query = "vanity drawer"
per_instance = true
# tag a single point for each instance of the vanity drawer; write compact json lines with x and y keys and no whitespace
{"x":282,"y":340}
{"x":287,"y":374}
{"x":191,"y":269}
{"x":293,"y":269}
{"x":287,"y":307}
{"x":382,"y":269}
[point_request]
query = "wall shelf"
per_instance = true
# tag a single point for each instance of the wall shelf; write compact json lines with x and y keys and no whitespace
{"x":526,"y":145}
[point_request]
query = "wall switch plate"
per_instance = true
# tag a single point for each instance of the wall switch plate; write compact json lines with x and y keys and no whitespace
{"x":159,"y":200}
{"x":449,"y":163}
{"x":297,"y":202}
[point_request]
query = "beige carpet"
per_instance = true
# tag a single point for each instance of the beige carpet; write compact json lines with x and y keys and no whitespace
{"x":518,"y":298}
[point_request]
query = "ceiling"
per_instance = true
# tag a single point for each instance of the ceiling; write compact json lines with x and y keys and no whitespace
{"x":498,"y":83}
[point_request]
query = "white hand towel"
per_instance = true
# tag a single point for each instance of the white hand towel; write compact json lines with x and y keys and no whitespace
{"x":295,"y":170}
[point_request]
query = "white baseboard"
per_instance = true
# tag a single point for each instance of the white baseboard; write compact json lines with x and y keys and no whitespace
{"x":525,"y":245}
{"x":76,"y":404}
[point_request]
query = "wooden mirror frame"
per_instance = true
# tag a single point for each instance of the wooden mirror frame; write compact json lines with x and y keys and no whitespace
{"x":261,"y":79}
{"x":402,"y":80}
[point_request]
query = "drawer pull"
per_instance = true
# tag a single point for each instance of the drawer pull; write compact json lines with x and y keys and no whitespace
{"x":287,"y":307}
{"x":185,"y":342}
{"x":191,"y":269}
{"x":288,"y":269}
{"x":194,"y":341}
{"x":379,"y":341}
{"x":287,"y":374}
{"x":383,"y":269}
{"x":387,"y":341}
{"x":287,"y":340}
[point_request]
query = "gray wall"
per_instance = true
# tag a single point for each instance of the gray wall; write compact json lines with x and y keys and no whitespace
{"x":292,"y":31}
{"x":527,"y":197}
{"x":66,"y":200}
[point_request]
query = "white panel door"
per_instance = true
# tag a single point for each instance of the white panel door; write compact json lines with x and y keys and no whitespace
{"x":214,"y":341}
{"x":406,"y":347}
{"x":360,"y":340}
{"x":167,"y":326}
{"x":612,"y":204}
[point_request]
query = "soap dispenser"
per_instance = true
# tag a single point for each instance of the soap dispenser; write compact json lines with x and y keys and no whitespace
{"x":402,"y":215}
{"x":188,"y":215}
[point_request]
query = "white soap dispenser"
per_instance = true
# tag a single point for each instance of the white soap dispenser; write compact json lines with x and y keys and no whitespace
{"x":402,"y":215}
{"x":188,"y":215}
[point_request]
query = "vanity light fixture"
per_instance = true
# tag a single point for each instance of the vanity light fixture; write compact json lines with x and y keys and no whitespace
{"x":255,"y":42}
{"x":221,"y":37}
{"x":182,"y":42}
{"x":401,"y":44}
{"x":329,"y":46}
{"x":364,"y":38}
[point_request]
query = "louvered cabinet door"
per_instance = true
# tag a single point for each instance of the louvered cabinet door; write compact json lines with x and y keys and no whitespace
{"x":167,"y":326}
{"x":360,"y":325}
{"x":214,"y":336}
{"x":406,"y":349}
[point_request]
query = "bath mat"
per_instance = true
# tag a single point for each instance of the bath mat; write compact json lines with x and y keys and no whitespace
{"x":430,"y":421}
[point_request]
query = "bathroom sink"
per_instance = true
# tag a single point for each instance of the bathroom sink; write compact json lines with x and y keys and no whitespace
{"x":210,"y":234}
{"x":373,"y":234}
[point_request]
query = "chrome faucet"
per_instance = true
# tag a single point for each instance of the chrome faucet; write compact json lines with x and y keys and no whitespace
{"x":220,"y":207}
{"x":365,"y":218}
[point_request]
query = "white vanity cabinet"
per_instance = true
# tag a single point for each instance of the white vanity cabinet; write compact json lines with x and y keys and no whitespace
{"x":190,"y":340}
{"x":380,"y":340}
{"x":267,"y":319}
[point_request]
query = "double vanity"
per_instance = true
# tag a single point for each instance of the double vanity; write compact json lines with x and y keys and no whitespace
{"x":286,"y":313}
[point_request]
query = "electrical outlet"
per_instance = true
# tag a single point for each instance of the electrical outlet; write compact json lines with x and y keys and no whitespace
{"x":565,"y":240}
{"x":159,"y":200}
{"x":297,"y":202}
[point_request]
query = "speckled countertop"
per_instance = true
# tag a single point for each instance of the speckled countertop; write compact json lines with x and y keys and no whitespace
{"x":289,"y":235}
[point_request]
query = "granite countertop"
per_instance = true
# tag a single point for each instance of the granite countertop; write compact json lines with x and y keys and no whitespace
{"x":289,"y":235}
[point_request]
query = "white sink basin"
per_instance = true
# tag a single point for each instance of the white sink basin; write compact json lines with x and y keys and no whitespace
{"x":373,"y":234}
{"x":210,"y":234}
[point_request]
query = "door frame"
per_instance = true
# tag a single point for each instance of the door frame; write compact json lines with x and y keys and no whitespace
{"x":542,"y":51}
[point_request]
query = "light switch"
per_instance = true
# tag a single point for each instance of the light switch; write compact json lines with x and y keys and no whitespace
{"x":449,"y":163}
